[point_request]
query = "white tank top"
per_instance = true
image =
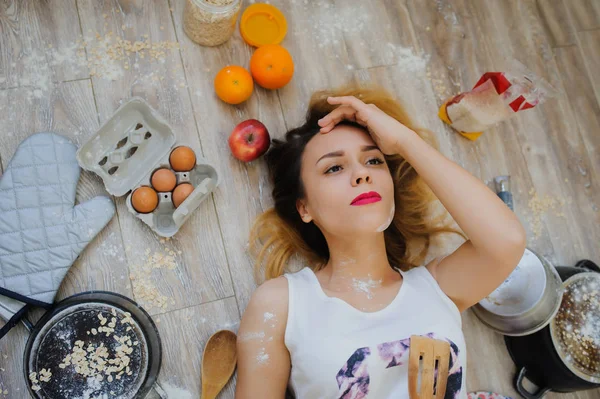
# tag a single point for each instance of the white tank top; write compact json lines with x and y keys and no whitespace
{"x":339,"y":352}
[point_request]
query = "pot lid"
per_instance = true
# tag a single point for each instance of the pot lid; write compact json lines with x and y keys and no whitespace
{"x":521,"y":291}
{"x":576,"y":328}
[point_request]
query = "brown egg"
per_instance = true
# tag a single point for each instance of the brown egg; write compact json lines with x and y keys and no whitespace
{"x":182,"y":159}
{"x":164,"y":180}
{"x":144,"y":199}
{"x":181,"y":192}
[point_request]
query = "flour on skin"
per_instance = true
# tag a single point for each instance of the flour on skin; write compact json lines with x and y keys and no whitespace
{"x":388,"y":221}
{"x":262,"y":357}
{"x":251,"y":336}
{"x":366,"y":285}
{"x":347,"y":261}
{"x":269,"y":316}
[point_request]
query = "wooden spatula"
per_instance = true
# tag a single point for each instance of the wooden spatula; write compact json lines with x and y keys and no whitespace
{"x":218,"y":362}
{"x":427,"y":368}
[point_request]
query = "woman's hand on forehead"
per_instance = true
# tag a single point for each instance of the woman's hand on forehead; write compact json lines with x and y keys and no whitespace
{"x":387,"y":132}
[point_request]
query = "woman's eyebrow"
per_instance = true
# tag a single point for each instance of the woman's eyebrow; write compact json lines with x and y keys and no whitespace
{"x":369,"y":148}
{"x":335,"y":154}
{"x":331,"y":155}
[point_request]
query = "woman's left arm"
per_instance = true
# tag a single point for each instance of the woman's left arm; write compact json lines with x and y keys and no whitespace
{"x":496,"y":237}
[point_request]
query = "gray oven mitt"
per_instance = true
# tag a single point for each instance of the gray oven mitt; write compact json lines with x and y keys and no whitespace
{"x":41,"y":231}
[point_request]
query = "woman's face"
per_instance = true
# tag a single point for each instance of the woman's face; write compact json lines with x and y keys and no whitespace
{"x":337,"y":168}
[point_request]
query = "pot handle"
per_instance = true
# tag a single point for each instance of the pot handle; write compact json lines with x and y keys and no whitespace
{"x":519,"y":377}
{"x":588,"y":264}
{"x":156,"y":392}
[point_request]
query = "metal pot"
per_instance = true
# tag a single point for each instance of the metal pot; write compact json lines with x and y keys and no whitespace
{"x":526,"y":301}
{"x":72,"y":319}
{"x":529,"y":298}
{"x":543,"y":357}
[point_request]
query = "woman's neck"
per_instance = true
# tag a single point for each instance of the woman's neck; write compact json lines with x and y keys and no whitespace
{"x":358,"y":261}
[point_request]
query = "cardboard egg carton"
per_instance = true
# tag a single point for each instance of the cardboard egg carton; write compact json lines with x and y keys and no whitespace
{"x":125,"y":152}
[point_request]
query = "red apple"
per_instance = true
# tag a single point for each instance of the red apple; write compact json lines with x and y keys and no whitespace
{"x":249,"y":140}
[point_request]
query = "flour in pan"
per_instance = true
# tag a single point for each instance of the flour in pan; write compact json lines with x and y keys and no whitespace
{"x":577,"y":325}
{"x":111,"y":364}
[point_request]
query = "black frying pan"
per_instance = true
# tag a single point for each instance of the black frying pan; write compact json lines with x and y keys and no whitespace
{"x":73,"y":319}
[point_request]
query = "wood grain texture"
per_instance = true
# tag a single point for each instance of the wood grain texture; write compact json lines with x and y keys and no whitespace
{"x":555,"y":18}
{"x":35,"y":28}
{"x":374,"y":33}
{"x":201,"y":274}
{"x":589,"y":43}
{"x":421,"y":51}
{"x":12,"y":348}
{"x":69,"y":111}
{"x":315,"y":39}
{"x":580,"y":94}
{"x":184,"y":334}
{"x":455,"y":63}
{"x":541,"y":134}
{"x":245,"y":191}
{"x":442,"y":33}
{"x":585,"y":14}
{"x":486,"y":352}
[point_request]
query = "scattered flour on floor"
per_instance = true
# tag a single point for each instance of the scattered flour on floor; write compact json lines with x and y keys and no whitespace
{"x":539,"y":206}
{"x":337,"y":28}
{"x":104,"y":56}
{"x":144,"y":289}
{"x":448,"y":13}
{"x":174,"y":392}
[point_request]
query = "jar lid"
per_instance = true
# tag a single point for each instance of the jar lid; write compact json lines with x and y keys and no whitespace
{"x":263,"y":24}
{"x":576,"y":328}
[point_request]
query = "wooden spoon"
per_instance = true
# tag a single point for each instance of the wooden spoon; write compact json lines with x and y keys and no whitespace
{"x":218,"y":362}
{"x":428,"y":362}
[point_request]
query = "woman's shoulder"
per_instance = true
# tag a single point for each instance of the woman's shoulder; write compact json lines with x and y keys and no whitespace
{"x":271,"y":288}
{"x":272,"y":295}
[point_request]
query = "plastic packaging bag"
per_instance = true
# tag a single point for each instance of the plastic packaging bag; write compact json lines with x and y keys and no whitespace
{"x":496,"y":97}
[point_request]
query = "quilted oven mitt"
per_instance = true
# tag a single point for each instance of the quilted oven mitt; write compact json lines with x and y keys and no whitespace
{"x":41,"y":231}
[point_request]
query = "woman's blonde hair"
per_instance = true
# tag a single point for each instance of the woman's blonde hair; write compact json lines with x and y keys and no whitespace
{"x":279,"y":234}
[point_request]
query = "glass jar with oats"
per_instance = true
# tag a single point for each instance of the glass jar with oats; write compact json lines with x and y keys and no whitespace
{"x":210,"y":22}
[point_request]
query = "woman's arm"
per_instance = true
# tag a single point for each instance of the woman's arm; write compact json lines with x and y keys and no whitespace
{"x":263,"y":367}
{"x":496,"y":237}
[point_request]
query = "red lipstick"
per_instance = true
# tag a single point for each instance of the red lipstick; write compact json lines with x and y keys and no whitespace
{"x":366,"y":198}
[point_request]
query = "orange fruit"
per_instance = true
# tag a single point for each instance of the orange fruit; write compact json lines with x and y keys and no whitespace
{"x":233,"y":84}
{"x":272,"y":66}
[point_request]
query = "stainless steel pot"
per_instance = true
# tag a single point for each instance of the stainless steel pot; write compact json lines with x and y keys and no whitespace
{"x":530,"y":297}
{"x":565,"y":355}
{"x":526,"y":301}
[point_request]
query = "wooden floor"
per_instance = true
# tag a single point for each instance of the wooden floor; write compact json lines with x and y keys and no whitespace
{"x":422,"y":50}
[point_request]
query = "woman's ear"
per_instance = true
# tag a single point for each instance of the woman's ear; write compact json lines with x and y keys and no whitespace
{"x":303,"y":211}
